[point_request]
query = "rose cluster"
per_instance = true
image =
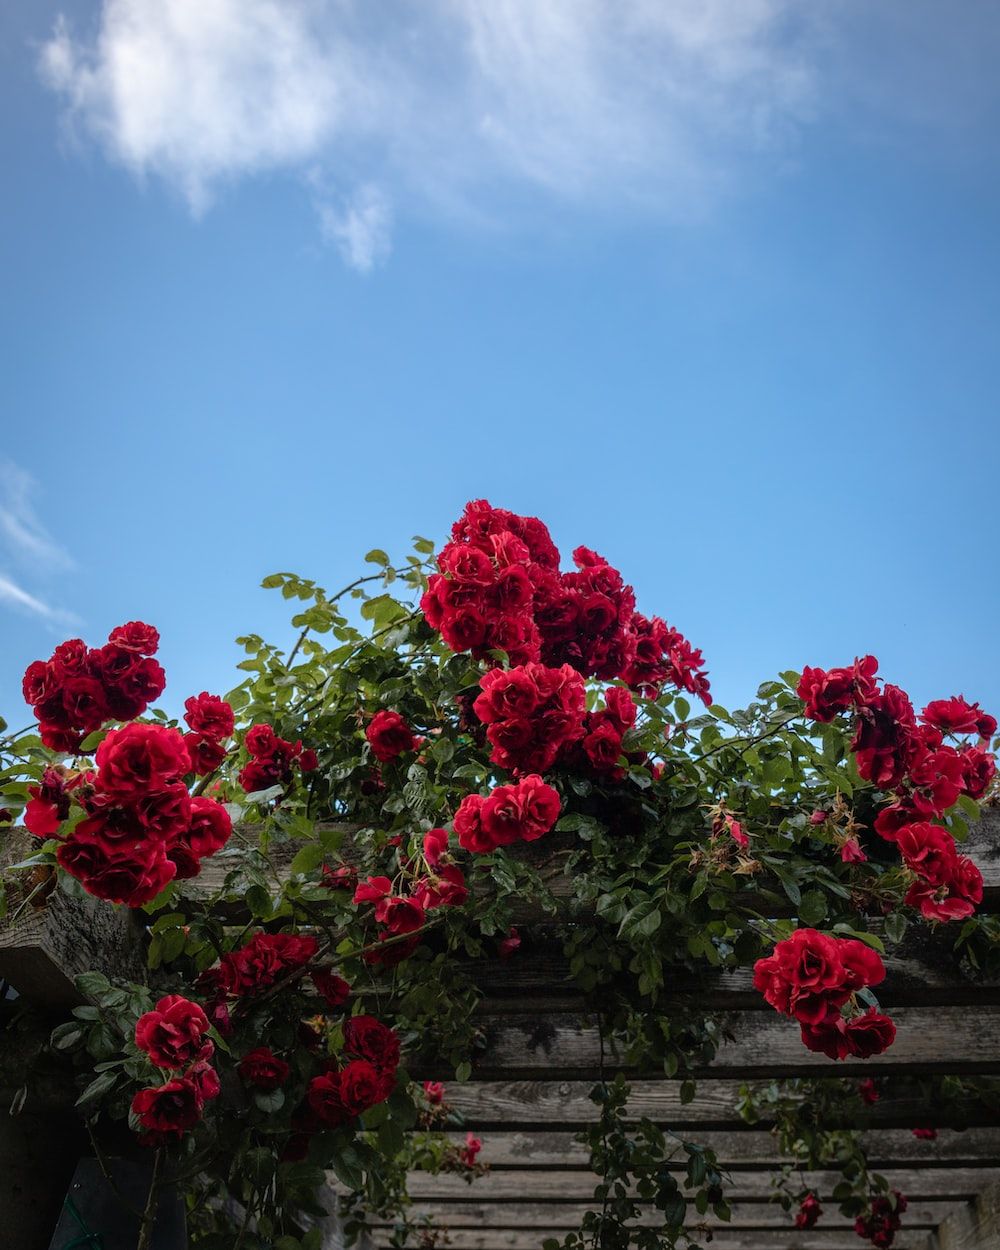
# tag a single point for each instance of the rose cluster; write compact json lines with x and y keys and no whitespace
{"x":908,"y":757}
{"x":883,"y":1220}
{"x":342,"y":1093}
{"x":173,"y":1035}
{"x":531,"y":714}
{"x":273,"y":760}
{"x":812,"y":977}
{"x":211,"y":723}
{"x":79,"y":688}
{"x":141,"y":827}
{"x":509,"y":814}
{"x":499,"y":588}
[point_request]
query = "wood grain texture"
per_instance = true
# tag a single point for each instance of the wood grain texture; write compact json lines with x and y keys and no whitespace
{"x":940,"y":1183}
{"x":974,"y":1225}
{"x":492,"y":1238}
{"x":564,"y":1104}
{"x":523,"y":1046}
{"x":529,"y":1214}
{"x":43,"y":948}
{"x":749,"y":1150}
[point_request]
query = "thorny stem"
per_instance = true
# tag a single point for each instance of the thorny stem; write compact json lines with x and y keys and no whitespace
{"x":149,"y":1215}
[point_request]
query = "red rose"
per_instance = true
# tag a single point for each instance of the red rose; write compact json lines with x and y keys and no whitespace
{"x":210,"y":715}
{"x":362,"y":1086}
{"x":928,"y":849}
{"x":133,"y":692}
{"x":882,"y":737}
{"x":868,"y":1091}
{"x":954,"y":716}
{"x":951,"y":893}
{"x":308,"y":760}
{"x":851,"y":852}
{"x":135,"y":875}
{"x":326,"y":1101}
{"x":263,"y":1069}
{"x":85,"y":703}
{"x":210,"y":826}
{"x":373,"y":890}
{"x":510,"y":944}
{"x":135,"y":636}
{"x":470,"y":1150}
{"x":870,"y":1034}
{"x":827,"y":693}
{"x":205,"y":754}
{"x":469,"y":825}
{"x":978,"y":768}
{"x":173,"y":1034}
{"x":334,"y":990}
{"x":265,"y":959}
{"x":925,"y":1134}
{"x":827,"y":1036}
{"x":803,"y":977}
{"x":435,"y":846}
{"x":809,"y":1212}
{"x":389,"y":736}
{"x":434,"y":1093}
{"x":206,"y":1080}
{"x":368,"y":1038}
{"x":168,"y":1110}
{"x":400,"y":915}
{"x":138,"y":758}
{"x":937,"y":779}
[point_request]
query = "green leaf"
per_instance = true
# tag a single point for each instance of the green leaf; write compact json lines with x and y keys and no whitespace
{"x":308,"y":858}
{"x":377,"y":556}
{"x":269,"y":1100}
{"x":97,"y":1088}
{"x":92,"y":984}
{"x":65,"y":1036}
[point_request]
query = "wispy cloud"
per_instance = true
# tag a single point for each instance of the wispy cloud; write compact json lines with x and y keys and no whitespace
{"x":25,"y":541}
{"x":16,"y":596}
{"x":20,"y":528}
{"x":450,"y":106}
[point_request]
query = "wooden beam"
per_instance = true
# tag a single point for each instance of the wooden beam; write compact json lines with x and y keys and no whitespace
{"x":974,"y":1226}
{"x":722,"y":1239}
{"x":493,"y":1106}
{"x":522,"y":1046}
{"x":749,"y":1150}
{"x":47,"y":941}
{"x":921,"y":1214}
{"x":939,"y":1183}
{"x":983,"y":845}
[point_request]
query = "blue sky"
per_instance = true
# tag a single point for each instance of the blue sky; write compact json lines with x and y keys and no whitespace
{"x":713,"y":290}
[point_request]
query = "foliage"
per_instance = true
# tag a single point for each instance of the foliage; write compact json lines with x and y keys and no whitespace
{"x":688,"y":843}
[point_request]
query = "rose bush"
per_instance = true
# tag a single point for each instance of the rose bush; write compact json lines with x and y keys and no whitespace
{"x":369,"y":803}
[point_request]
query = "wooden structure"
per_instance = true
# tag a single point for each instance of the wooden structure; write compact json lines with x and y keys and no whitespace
{"x":528,"y":1094}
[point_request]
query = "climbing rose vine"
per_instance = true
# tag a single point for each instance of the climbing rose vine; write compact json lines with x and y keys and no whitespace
{"x":322,"y":859}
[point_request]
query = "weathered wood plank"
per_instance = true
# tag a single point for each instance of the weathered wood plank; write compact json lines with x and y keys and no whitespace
{"x":750,"y":1150}
{"x":525,"y":1046}
{"x":974,"y":1226}
{"x":921,"y":1214}
{"x":489,"y":1238}
{"x":564,"y":1104}
{"x":983,"y":845}
{"x":48,"y":940}
{"x":941,"y":1183}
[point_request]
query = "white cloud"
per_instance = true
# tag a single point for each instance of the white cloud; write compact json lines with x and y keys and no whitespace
{"x":25,"y":540}
{"x":15,"y":595}
{"x":21,"y":531}
{"x":360,"y":227}
{"x":458,"y":106}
